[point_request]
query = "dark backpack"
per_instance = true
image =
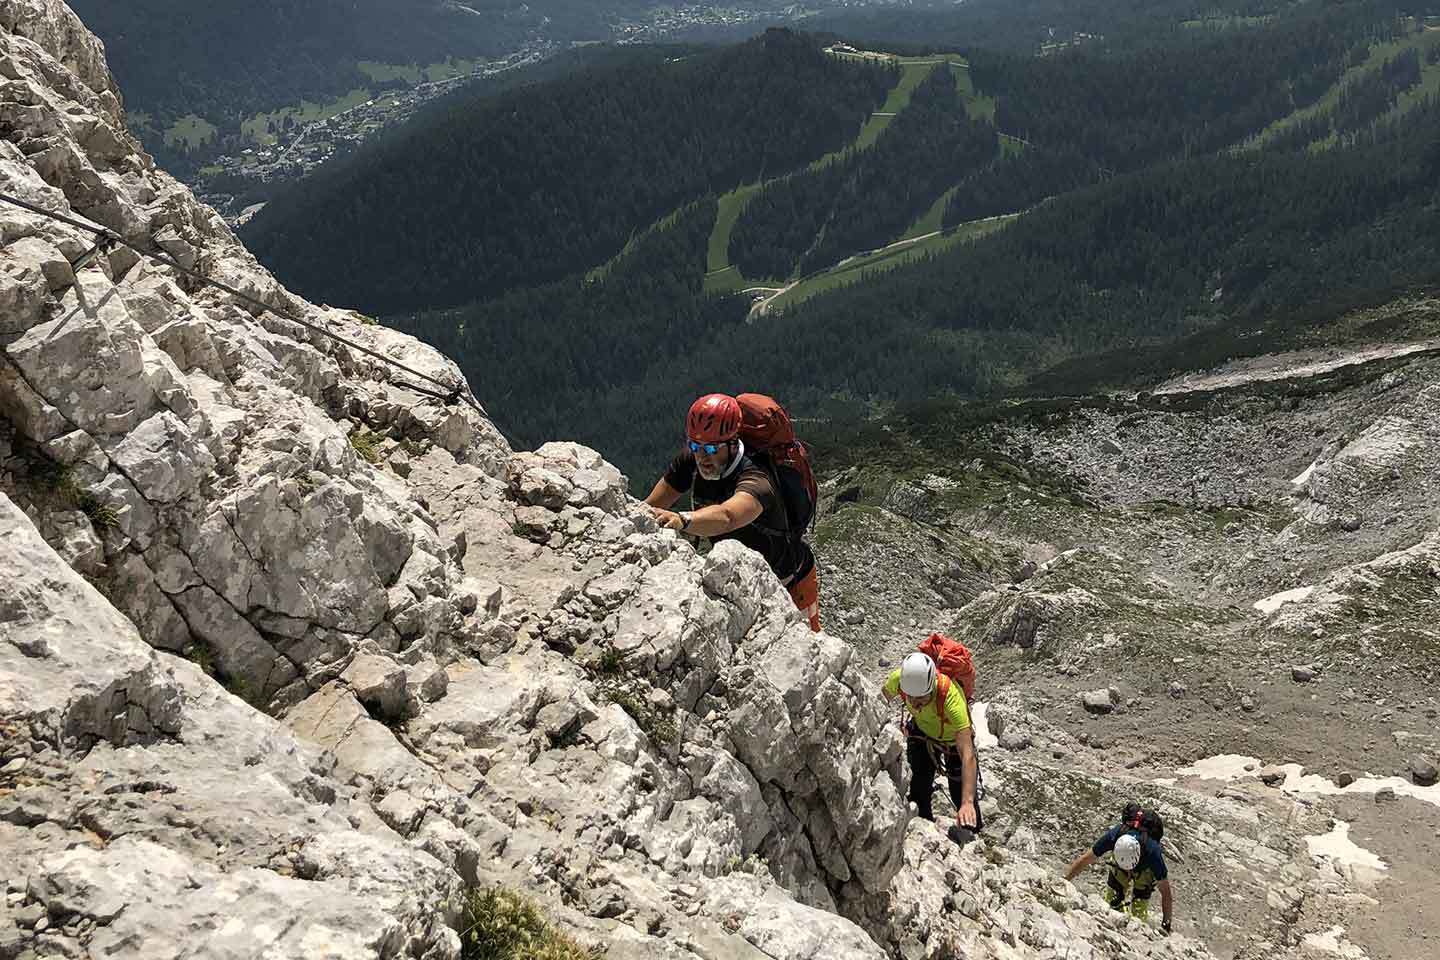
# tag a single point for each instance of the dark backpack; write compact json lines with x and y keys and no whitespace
{"x":1137,"y":817}
{"x":770,"y":442}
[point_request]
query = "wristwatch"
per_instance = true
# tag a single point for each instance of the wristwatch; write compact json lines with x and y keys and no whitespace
{"x":684,"y":520}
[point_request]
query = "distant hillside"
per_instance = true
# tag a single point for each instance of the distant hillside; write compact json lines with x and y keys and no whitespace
{"x":225,"y":61}
{"x":1147,"y":235}
{"x":498,"y":193}
{"x":867,"y":198}
{"x":1042,"y":26}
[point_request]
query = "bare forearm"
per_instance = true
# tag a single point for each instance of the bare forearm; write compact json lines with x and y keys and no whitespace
{"x":966,"y":745}
{"x":663,"y":496}
{"x":712,"y":521}
{"x":1078,"y":864}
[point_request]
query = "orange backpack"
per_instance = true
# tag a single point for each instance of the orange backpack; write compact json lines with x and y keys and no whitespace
{"x":953,"y":660}
{"x":770,"y":441}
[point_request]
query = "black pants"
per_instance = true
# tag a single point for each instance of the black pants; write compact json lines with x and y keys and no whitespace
{"x":921,"y":752}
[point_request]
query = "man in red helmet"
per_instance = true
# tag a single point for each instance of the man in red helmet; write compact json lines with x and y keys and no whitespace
{"x":734,"y":499}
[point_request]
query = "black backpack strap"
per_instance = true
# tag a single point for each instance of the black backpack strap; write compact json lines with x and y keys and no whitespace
{"x":765,"y":463}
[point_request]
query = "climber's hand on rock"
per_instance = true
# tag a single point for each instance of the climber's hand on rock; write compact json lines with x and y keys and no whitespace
{"x":965,"y":816}
{"x":668,"y":518}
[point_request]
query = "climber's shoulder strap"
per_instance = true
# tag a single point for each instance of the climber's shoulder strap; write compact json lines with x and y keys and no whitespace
{"x":942,"y":692}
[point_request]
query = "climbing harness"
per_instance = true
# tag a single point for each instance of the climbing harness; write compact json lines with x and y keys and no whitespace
{"x":107,"y":239}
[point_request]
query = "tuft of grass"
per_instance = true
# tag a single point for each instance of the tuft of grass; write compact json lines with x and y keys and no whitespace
{"x":617,"y":686}
{"x":659,"y":725}
{"x":57,"y":480}
{"x":200,"y":654}
{"x":611,"y":663}
{"x":366,"y":444}
{"x":101,"y":516}
{"x":239,"y":688}
{"x":501,"y":924}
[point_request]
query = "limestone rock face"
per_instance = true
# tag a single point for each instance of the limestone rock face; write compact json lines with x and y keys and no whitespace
{"x":211,"y":810}
{"x":224,"y":502}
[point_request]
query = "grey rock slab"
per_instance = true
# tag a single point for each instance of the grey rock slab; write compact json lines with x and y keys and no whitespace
{"x":23,"y":286}
{"x":139,"y":596}
{"x":486,"y":705}
{"x":67,"y":652}
{"x":425,"y":682}
{"x":173,"y":907}
{"x":720,"y":777}
{"x":1097,"y":702}
{"x":134,"y":515}
{"x":379,"y":684}
{"x":162,"y":458}
{"x":77,"y":447}
{"x":765,"y":916}
{"x":303,"y":558}
{"x":333,"y":719}
{"x":73,"y":537}
{"x":1015,"y":740}
{"x":31,"y":414}
{"x":560,"y":718}
{"x":401,"y":811}
{"x":89,"y":361}
{"x":237,"y":788}
{"x":434,"y":686}
{"x":239,"y":651}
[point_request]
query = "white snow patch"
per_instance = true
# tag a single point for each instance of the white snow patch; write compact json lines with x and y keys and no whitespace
{"x":984,"y":739}
{"x":1297,"y":781}
{"x":1333,"y":942}
{"x":1056,"y":560}
{"x":1275,"y":601}
{"x":1165,"y":781}
{"x":1227,"y":766}
{"x":1230,"y":766}
{"x":1348,"y":858}
{"x":1305,"y":474}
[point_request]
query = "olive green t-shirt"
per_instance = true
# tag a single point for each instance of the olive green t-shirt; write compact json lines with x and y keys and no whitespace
{"x":927,"y":718}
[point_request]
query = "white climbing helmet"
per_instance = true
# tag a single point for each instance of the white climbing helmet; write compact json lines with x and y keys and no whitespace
{"x":917,"y":675}
{"x":1127,"y":852}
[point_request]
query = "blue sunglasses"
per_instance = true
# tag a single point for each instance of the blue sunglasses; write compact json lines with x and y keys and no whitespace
{"x":709,"y":448}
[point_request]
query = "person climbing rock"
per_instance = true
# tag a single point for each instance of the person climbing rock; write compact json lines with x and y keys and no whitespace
{"x":1136,"y":867}
{"x":755,"y":496}
{"x":937,"y":731}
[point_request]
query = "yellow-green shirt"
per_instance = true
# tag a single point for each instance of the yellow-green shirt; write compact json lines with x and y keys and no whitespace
{"x":927,"y":718}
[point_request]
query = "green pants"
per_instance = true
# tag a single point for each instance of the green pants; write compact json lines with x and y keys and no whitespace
{"x":1123,"y":885}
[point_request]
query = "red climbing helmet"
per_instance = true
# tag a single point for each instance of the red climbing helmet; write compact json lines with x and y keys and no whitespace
{"x":713,"y":418}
